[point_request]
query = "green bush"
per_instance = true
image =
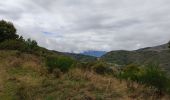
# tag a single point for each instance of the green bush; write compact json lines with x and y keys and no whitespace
{"x":29,"y":46}
{"x":12,"y":45}
{"x":130,"y":72}
{"x":61,"y":62}
{"x":151,"y":76}
{"x":86,"y":66}
{"x":101,"y":68}
{"x":156,"y":78}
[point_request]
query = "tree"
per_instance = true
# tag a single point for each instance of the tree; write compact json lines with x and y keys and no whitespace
{"x":32,"y":43}
{"x":7,"y":31}
{"x":31,"y":46}
{"x":21,"y":39}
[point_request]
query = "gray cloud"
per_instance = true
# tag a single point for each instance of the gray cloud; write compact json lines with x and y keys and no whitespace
{"x":78,"y":25}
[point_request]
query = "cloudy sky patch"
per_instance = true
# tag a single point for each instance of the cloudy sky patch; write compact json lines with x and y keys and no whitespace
{"x":80,"y":25}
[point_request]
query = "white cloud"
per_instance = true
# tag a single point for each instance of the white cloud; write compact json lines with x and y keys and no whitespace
{"x":78,"y":25}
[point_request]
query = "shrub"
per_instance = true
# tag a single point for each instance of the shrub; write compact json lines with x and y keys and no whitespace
{"x":101,"y":68}
{"x":155,"y":77}
{"x":151,"y":76}
{"x":130,"y":74}
{"x":12,"y":45}
{"x":29,"y":46}
{"x":61,"y":62}
{"x":86,"y":66}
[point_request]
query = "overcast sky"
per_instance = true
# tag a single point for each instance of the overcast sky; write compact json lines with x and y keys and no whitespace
{"x":79,"y":25}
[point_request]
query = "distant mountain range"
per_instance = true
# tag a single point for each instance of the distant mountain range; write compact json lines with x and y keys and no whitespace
{"x":94,"y":53}
{"x":158,"y":54}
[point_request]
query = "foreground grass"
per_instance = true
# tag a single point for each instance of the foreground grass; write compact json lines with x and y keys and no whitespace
{"x":24,"y":77}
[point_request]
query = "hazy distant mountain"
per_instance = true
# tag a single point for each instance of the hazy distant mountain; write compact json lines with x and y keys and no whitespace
{"x":94,"y":53}
{"x":159,"y":54}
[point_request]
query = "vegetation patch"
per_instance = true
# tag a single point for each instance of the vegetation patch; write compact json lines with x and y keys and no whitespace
{"x":60,"y":62}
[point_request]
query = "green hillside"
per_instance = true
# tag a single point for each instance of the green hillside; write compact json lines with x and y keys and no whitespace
{"x":158,"y":54}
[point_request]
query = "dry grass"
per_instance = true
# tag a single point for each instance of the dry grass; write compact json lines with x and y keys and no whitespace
{"x":23,"y":77}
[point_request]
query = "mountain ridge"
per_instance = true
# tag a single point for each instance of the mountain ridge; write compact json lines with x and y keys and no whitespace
{"x":157,"y":54}
{"x":94,"y":53}
{"x":155,"y":48}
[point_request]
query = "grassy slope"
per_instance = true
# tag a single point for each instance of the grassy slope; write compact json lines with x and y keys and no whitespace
{"x":24,"y":77}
